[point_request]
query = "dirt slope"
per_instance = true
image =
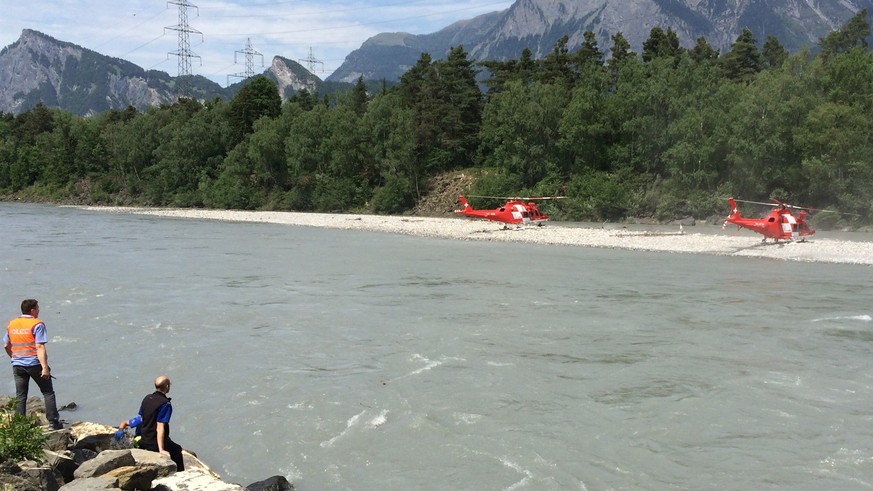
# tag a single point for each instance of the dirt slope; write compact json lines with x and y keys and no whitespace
{"x":442,"y":194}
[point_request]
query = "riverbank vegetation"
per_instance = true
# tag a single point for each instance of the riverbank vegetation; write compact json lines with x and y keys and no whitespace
{"x":666,"y":133}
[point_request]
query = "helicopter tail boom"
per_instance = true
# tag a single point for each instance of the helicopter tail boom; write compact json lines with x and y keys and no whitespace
{"x":735,"y":212}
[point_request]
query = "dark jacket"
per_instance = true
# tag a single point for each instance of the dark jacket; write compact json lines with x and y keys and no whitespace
{"x":149,"y":426}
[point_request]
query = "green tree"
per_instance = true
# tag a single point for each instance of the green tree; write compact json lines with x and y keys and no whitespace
{"x":520,"y":130}
{"x":661,"y":45}
{"x":620,"y":50}
{"x":743,"y":61}
{"x":191,"y":149}
{"x":448,"y":108}
{"x":773,"y":55}
{"x":556,"y":65}
{"x":359,"y":97}
{"x":761,"y":152}
{"x":703,"y":51}
{"x":258,"y":98}
{"x":588,"y":53}
{"x":391,"y":132}
{"x":853,"y":34}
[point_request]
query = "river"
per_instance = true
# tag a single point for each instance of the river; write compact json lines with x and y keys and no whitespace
{"x":349,"y":360}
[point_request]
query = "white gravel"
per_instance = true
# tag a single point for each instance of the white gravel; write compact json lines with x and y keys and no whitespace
{"x":813,"y":250}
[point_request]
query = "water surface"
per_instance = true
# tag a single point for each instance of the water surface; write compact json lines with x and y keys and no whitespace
{"x":356,"y":360}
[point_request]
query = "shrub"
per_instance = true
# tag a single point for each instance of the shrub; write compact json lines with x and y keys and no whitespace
{"x":393,"y":198}
{"x":21,"y":437}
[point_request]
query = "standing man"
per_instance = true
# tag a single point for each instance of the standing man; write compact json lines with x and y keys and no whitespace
{"x":24,"y":341}
{"x":153,"y":423}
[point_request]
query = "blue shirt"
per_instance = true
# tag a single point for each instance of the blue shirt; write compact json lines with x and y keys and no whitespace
{"x":39,"y":338}
{"x":164,"y":414}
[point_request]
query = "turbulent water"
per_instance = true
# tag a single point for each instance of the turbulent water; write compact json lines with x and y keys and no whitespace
{"x":361,"y":361}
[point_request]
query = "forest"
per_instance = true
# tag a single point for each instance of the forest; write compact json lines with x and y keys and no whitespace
{"x":667,"y":133}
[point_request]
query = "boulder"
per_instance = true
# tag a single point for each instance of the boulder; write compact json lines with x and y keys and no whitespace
{"x":275,"y":483}
{"x":146,"y":458}
{"x":81,"y":430}
{"x":58,"y":440}
{"x":134,"y":477}
{"x":81,"y":455}
{"x":18,"y":483}
{"x":195,"y":480}
{"x":91,"y":484}
{"x":97,"y":443}
{"x":42,"y":475}
{"x":63,"y":464}
{"x":104,"y":462}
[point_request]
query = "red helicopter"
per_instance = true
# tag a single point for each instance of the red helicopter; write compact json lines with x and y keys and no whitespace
{"x":514,"y":212}
{"x":779,"y":224}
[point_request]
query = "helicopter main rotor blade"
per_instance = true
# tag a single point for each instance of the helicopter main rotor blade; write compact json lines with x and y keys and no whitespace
{"x":793,"y":207}
{"x":518,"y":197}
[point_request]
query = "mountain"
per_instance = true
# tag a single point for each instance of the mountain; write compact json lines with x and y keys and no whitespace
{"x":38,"y":68}
{"x":538,"y":24}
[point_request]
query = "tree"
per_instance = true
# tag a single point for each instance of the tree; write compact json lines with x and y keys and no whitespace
{"x":192,"y":146}
{"x":853,"y":34}
{"x":743,"y":61}
{"x":556,"y":65}
{"x":703,"y":52}
{"x":259,"y":97}
{"x":448,"y":106}
{"x":661,"y":44}
{"x":620,"y":50}
{"x":391,"y":133}
{"x":359,"y":97}
{"x":588,"y":53}
{"x":773,"y":55}
{"x":520,"y":130}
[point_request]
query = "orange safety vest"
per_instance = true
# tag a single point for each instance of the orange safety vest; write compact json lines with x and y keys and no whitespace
{"x":21,"y":336}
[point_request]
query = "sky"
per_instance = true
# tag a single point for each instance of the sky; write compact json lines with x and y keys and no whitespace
{"x":314,"y":33}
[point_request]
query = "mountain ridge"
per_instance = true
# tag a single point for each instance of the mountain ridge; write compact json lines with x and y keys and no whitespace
{"x":538,"y":24}
{"x":40,"y":69}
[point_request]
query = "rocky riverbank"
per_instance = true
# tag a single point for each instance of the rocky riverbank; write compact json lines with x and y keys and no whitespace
{"x":86,"y":457}
{"x":676,"y":240}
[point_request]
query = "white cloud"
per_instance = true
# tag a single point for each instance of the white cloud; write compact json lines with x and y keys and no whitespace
{"x":142,"y":31}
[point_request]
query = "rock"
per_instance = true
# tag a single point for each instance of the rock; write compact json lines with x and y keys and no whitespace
{"x":81,"y":455}
{"x":134,"y":477}
{"x":161,"y":463}
{"x":72,"y":406}
{"x":275,"y":483}
{"x":195,"y":480}
{"x":104,"y":462}
{"x":91,"y":484}
{"x":63,"y":463}
{"x":58,"y":440}
{"x":18,"y":483}
{"x":97,"y":443}
{"x":82,"y":430}
{"x":86,"y":458}
{"x":42,"y":475}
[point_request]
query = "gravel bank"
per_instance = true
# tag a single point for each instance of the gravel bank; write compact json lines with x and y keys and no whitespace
{"x":813,"y":250}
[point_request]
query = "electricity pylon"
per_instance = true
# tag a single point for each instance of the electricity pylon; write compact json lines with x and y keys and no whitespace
{"x":311,"y":61}
{"x":184,"y":52}
{"x":250,"y":54}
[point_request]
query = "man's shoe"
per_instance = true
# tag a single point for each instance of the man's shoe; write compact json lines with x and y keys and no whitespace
{"x":56,"y":425}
